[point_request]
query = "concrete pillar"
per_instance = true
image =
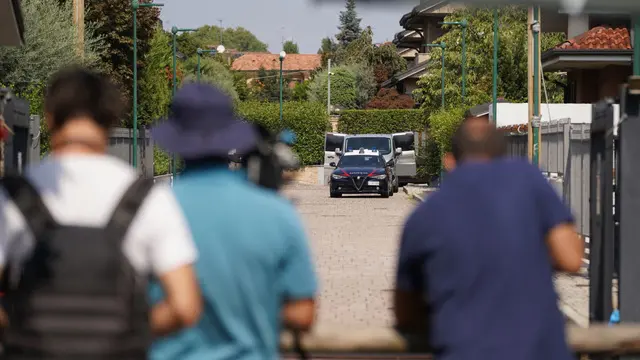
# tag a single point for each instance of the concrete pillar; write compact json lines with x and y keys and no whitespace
{"x":577,"y":24}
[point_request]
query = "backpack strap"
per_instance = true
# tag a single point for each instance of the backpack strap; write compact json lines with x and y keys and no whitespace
{"x":29,"y":202}
{"x":127,"y":209}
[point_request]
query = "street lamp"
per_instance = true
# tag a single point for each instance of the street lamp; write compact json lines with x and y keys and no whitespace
{"x":495,"y":65}
{"x":464,"y":25}
{"x":174,"y":33}
{"x":219,"y":50}
{"x":329,"y":73}
{"x":135,"y":4}
{"x":442,"y":45}
{"x":282,"y":56}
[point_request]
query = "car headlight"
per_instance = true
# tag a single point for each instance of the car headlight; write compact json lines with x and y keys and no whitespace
{"x":379,"y":177}
{"x":338,"y":177}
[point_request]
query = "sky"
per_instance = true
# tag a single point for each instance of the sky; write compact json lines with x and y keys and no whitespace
{"x":303,"y":21}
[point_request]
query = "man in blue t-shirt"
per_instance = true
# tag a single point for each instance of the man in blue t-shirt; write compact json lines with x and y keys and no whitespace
{"x":477,"y":257}
{"x":254,"y":265}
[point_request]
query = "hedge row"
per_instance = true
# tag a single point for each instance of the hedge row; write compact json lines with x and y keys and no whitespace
{"x":381,"y":121}
{"x":308,"y":120}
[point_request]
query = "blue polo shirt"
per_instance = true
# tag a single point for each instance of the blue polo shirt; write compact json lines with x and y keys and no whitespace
{"x":253,"y":254}
{"x":476,"y":251}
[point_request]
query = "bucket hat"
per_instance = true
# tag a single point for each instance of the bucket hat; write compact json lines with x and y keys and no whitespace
{"x":202,"y":123}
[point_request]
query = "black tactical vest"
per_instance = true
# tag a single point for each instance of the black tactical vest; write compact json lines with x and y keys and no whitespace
{"x":77,"y":296}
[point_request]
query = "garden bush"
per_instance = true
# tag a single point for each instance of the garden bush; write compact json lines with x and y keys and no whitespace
{"x":381,"y":121}
{"x":443,"y":123}
{"x":308,"y":120}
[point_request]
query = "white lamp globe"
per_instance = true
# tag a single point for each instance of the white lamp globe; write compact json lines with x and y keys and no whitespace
{"x":282,"y":54}
{"x":220,"y":49}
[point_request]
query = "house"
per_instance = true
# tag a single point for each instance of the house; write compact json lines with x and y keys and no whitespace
{"x":422,"y":26}
{"x":597,"y":57}
{"x":296,"y":67}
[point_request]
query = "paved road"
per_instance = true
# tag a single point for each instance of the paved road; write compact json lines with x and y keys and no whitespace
{"x":354,"y":241}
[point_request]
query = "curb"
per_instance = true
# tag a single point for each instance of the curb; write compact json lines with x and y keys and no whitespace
{"x":412,"y":195}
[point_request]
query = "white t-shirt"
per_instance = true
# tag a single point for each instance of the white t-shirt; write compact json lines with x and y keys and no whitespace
{"x":83,"y":190}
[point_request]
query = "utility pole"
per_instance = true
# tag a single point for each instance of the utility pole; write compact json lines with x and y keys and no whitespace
{"x":220,"y":20}
{"x":78,"y":21}
{"x":533,"y":59}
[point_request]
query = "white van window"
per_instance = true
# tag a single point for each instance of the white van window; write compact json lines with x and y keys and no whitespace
{"x":380,"y":144}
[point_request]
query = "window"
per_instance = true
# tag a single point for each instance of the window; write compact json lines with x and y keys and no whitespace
{"x":405,"y":141}
{"x":333,"y":142}
{"x":378,"y":143}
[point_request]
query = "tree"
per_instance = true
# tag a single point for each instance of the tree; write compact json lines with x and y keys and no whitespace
{"x":266,"y":87}
{"x":155,"y":85}
{"x":290,"y":47}
{"x":383,"y":60}
{"x":300,"y":91}
{"x":208,"y":36}
{"x":391,"y":99}
{"x":349,"y":24}
{"x":50,"y":43}
{"x":344,"y":90}
{"x":113,"y":19}
{"x":328,"y":48}
{"x":212,"y":72}
{"x":512,"y":57}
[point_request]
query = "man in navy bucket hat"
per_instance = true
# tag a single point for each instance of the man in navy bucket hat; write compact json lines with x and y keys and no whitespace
{"x":254,"y":263}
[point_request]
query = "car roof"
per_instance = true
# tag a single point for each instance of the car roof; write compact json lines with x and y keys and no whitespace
{"x":370,"y":135}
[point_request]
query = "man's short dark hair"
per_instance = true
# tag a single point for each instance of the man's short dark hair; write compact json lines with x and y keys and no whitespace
{"x":477,"y":139}
{"x":76,"y":91}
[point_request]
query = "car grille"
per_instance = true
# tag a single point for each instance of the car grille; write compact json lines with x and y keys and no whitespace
{"x":359,"y":183}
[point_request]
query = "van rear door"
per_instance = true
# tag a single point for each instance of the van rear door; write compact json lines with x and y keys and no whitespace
{"x":405,"y":162}
{"x":332,"y":141}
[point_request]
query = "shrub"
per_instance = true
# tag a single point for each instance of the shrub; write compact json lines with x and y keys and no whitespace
{"x":343,"y":88}
{"x":308,"y":120}
{"x":381,"y":121}
{"x":391,"y":99}
{"x":443,"y":124}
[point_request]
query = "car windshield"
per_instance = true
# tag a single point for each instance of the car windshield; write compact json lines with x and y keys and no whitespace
{"x":361,"y":161}
{"x":380,"y":144}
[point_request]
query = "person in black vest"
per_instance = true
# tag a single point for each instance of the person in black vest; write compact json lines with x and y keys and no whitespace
{"x":80,"y":234}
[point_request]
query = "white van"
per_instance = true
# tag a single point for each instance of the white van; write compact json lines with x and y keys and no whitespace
{"x":398,"y":147}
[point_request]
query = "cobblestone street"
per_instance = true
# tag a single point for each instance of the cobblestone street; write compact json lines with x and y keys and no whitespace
{"x":354,"y":241}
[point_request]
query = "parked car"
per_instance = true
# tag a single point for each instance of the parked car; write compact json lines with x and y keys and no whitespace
{"x":397,"y":149}
{"x":361,"y":172}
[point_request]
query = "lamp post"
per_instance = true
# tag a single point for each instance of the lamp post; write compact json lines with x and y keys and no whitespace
{"x":442,"y":45}
{"x":464,"y":25}
{"x":282,"y":56}
{"x":636,"y":45}
{"x":535,"y":28}
{"x":494,"y":109}
{"x":135,"y":5}
{"x":174,"y":32}
{"x":219,"y":50}
{"x":329,"y":73}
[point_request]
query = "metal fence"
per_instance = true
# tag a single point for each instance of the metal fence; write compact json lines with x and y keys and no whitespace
{"x":564,"y":158}
{"x":121,"y":146}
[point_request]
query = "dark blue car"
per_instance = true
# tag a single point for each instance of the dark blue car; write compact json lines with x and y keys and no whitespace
{"x":361,"y":172}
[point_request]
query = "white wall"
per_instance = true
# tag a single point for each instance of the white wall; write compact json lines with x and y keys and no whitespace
{"x":518,"y":113}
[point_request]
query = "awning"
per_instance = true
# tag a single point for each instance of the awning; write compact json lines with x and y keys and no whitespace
{"x":11,"y":23}
{"x":565,"y":59}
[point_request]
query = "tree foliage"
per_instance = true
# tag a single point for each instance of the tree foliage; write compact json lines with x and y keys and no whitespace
{"x":266,"y":87}
{"x":207,"y":36}
{"x":383,"y":60}
{"x":113,"y":19}
{"x":155,"y":85}
{"x":512,"y":57}
{"x":212,"y":72}
{"x":328,"y":49}
{"x":352,"y":86}
{"x":50,"y":43}
{"x":391,"y":99}
{"x":349,"y":24}
{"x":290,"y":47}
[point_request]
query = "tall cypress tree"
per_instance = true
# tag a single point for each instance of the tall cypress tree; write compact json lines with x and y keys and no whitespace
{"x":349,"y":24}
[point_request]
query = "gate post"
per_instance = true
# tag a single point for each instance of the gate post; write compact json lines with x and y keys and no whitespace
{"x":628,"y":206}
{"x":601,"y":213}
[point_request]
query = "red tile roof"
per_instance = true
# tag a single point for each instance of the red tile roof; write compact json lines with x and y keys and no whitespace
{"x":599,"y":38}
{"x":293,"y":62}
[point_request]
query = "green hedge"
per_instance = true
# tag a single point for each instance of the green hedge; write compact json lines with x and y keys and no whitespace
{"x":309,"y":121}
{"x":381,"y":121}
{"x":443,"y":123}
